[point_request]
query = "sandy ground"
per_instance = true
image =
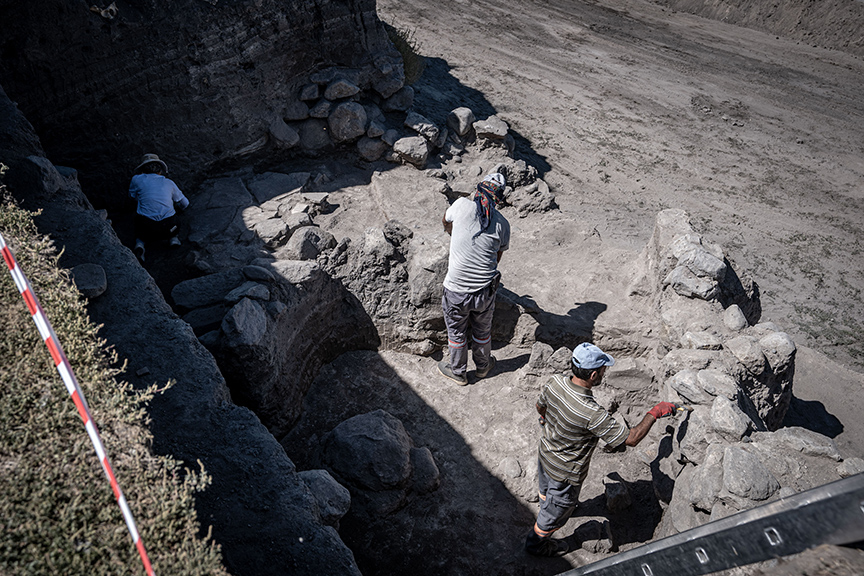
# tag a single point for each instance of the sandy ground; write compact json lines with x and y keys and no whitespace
{"x":629,"y":108}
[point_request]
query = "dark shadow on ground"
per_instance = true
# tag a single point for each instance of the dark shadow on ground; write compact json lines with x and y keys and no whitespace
{"x":812,"y":415}
{"x":471,"y":524}
{"x":558,"y":330}
{"x":634,"y":525}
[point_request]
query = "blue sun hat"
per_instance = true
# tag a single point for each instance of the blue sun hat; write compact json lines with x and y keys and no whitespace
{"x":590,"y":357}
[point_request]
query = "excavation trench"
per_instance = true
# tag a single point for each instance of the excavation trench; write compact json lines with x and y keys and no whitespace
{"x":336,"y":352}
{"x":441,"y":477}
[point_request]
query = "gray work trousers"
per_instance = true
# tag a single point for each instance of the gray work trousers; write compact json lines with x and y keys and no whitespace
{"x":469,"y":314}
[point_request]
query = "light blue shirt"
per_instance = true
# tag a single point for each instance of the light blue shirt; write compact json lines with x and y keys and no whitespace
{"x":156,"y":195}
{"x":473,"y":261}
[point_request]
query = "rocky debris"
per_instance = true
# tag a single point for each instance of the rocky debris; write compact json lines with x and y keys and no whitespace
{"x":206,"y":290}
{"x":347,"y":122}
{"x":534,"y":197}
{"x":850,"y":467}
{"x":340,"y":88}
{"x":679,"y":259}
{"x":373,"y":455}
{"x":267,"y":186}
{"x":89,"y":279}
{"x":371,"y":148}
{"x":595,"y":536}
{"x":282,"y":135}
{"x":735,"y":373}
{"x":701,"y":341}
{"x":801,"y":440}
{"x":745,"y":476}
{"x":423,"y":126}
{"x":706,"y":330}
{"x":297,"y":110}
{"x":273,"y":232}
{"x":492,"y":128}
{"x":401,"y":101}
{"x":332,"y":498}
{"x":251,"y":290}
{"x":426,"y":476}
{"x":734,"y":319}
{"x":306,"y":243}
{"x":686,"y":384}
{"x":413,"y":150}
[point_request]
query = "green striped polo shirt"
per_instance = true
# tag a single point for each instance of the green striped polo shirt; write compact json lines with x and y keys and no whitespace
{"x":574,"y":424}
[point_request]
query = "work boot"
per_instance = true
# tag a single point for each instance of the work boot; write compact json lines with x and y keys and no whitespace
{"x":139,"y":249}
{"x":489,"y":368}
{"x":548,"y":547}
{"x":447,"y":372}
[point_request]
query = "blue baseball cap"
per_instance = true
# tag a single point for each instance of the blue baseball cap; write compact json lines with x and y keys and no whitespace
{"x":590,"y":357}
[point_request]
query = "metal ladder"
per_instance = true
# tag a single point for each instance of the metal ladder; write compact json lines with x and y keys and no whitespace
{"x":829,"y":514}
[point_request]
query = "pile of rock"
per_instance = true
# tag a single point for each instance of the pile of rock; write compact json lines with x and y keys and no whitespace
{"x":244,"y":218}
{"x":730,"y":453}
{"x":341,"y":107}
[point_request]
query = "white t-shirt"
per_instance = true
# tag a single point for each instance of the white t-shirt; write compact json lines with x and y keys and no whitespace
{"x":156,"y":195}
{"x":473,"y":261}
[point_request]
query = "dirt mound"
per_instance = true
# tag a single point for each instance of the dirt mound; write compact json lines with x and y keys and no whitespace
{"x":835,"y":24}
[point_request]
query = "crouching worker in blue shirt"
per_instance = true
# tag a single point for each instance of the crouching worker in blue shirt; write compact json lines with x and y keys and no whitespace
{"x":156,"y":196}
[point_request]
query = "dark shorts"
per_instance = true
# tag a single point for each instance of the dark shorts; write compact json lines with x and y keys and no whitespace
{"x":148,"y":230}
{"x":558,"y":501}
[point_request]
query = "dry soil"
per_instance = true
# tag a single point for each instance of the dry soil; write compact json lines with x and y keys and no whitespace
{"x":628,"y":108}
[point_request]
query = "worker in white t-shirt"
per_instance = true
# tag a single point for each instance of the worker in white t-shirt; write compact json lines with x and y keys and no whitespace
{"x":479,"y":235}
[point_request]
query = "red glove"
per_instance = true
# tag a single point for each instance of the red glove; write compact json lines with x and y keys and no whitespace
{"x":662,"y":409}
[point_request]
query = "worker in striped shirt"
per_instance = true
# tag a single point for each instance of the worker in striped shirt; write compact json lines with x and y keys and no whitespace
{"x":573,"y":422}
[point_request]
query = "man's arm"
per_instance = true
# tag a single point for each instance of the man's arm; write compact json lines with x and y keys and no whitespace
{"x":541,"y":410}
{"x":638,"y":432}
{"x":500,"y":253}
{"x":448,"y":226}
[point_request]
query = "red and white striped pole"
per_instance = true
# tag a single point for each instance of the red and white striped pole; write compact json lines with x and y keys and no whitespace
{"x":65,"y":370}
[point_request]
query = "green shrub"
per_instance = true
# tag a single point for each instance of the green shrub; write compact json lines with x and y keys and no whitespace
{"x":413,"y":62}
{"x":58,"y":514}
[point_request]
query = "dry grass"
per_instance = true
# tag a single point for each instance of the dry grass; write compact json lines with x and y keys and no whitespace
{"x":58,"y":514}
{"x":405,"y":43}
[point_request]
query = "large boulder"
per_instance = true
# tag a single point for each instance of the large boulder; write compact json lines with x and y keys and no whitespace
{"x":332,"y":498}
{"x":347,"y":122}
{"x":375,"y":457}
{"x":413,"y":150}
